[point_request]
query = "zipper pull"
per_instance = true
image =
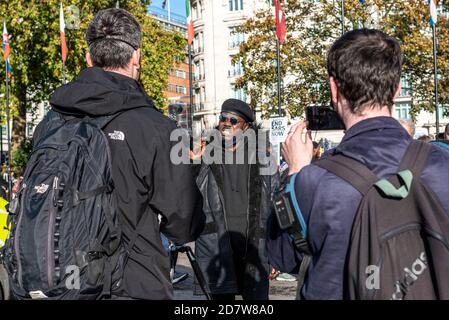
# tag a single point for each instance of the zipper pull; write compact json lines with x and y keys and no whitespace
{"x":55,"y":189}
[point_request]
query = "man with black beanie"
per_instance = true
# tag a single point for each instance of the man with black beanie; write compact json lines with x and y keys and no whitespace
{"x":231,"y":249}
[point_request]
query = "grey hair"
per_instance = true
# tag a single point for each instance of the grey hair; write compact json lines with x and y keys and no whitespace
{"x":112,"y":36}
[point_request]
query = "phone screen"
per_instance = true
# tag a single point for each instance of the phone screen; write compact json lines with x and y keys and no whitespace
{"x":323,"y":118}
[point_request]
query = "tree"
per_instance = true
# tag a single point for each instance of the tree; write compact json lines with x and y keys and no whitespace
{"x":312,"y":27}
{"x":36,"y":61}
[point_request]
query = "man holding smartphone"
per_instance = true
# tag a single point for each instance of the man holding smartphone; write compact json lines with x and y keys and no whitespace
{"x":364,"y":69}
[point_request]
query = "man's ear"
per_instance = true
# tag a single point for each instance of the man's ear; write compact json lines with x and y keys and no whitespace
{"x":334,"y":91}
{"x":398,"y":91}
{"x":89,"y":60}
{"x":136,"y":58}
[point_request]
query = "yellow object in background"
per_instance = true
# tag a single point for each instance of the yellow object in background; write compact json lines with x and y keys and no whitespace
{"x":4,"y":229}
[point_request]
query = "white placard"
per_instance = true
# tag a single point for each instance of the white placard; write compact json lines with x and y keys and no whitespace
{"x":278,"y":129}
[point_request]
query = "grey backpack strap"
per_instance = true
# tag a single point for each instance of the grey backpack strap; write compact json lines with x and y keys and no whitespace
{"x":350,"y":170}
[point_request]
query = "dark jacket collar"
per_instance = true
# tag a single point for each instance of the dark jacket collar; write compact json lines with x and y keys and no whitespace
{"x":377,"y":142}
{"x":97,"y":92}
{"x":377,"y":123}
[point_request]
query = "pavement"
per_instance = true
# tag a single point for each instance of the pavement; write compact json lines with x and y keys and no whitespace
{"x":279,"y":290}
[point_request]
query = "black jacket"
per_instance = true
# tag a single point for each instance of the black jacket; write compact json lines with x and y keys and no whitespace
{"x":213,"y":248}
{"x":146,"y":182}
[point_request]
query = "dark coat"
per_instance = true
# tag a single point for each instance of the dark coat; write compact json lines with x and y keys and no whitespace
{"x":213,"y":248}
{"x":329,"y":203}
{"x":146,"y":182}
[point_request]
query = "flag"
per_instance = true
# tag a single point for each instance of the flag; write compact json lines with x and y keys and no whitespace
{"x":164,"y":3}
{"x":190,"y":30}
{"x":433,"y":12}
{"x":281,"y":29}
{"x":64,"y":49}
{"x":362,"y":1}
{"x":6,"y":48}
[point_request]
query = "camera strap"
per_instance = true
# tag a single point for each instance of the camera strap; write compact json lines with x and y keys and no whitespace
{"x":290,"y":189}
{"x":298,"y":232}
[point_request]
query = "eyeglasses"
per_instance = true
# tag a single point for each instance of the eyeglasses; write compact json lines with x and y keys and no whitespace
{"x":232,"y":120}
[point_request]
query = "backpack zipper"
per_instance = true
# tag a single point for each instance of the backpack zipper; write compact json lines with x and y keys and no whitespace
{"x":16,"y":238}
{"x":50,"y":236}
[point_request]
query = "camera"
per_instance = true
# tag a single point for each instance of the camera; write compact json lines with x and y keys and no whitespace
{"x":287,"y":211}
{"x":289,"y":215}
{"x":323,"y":118}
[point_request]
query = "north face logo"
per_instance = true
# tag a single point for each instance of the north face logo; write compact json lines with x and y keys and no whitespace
{"x":117,"y":135}
{"x":42,"y":188}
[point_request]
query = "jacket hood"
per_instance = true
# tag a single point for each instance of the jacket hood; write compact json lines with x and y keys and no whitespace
{"x":98,"y":93}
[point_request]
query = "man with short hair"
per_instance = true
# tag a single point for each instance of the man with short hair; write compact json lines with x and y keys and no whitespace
{"x":231,"y":250}
{"x":146,"y":182}
{"x":364,"y":69}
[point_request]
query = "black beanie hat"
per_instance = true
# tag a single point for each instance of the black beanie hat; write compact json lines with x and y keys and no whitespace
{"x":239,"y":107}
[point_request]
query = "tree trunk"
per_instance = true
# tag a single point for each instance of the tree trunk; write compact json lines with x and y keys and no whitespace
{"x":19,"y":122}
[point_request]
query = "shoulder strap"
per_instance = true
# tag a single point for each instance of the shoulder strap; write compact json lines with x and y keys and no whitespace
{"x":350,"y":170}
{"x":415,"y":158}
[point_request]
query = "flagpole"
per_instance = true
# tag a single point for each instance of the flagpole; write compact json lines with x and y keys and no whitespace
{"x":437,"y":113}
{"x":278,"y":48}
{"x":168,"y":7}
{"x":9,"y":131}
{"x":190,"y":84}
{"x":342,"y":17}
{"x":63,"y":73}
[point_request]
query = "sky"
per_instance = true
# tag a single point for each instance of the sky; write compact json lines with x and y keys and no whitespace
{"x":176,"y":6}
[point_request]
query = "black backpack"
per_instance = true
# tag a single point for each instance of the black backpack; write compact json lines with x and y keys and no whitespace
{"x":399,"y":246}
{"x":65,"y":242}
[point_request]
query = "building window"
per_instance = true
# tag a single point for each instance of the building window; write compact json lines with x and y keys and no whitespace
{"x":235,"y":38}
{"x":181,"y":89}
{"x":236,"y":69}
{"x":235,"y":5}
{"x":198,"y":43}
{"x":442,"y":110}
{"x":406,"y":89}
{"x":239,"y":94}
{"x":181,"y":74}
{"x":402,"y":111}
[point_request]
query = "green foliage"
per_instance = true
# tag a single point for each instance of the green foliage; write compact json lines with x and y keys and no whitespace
{"x":36,"y":61}
{"x":21,"y":155}
{"x":313,"y":26}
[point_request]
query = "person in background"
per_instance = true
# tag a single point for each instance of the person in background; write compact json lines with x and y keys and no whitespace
{"x":446,"y":132}
{"x":231,"y":250}
{"x":316,"y":151}
{"x":409,"y":126}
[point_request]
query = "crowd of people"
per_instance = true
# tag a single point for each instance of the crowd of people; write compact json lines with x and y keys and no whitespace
{"x":227,"y":207}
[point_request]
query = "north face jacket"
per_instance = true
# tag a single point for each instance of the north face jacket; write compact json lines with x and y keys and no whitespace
{"x":146,"y":182}
{"x":329,"y":203}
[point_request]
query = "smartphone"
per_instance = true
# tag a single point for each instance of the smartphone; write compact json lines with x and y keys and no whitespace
{"x":323,"y":118}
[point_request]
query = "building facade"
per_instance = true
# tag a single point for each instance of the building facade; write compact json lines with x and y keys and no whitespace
{"x":215,"y":43}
